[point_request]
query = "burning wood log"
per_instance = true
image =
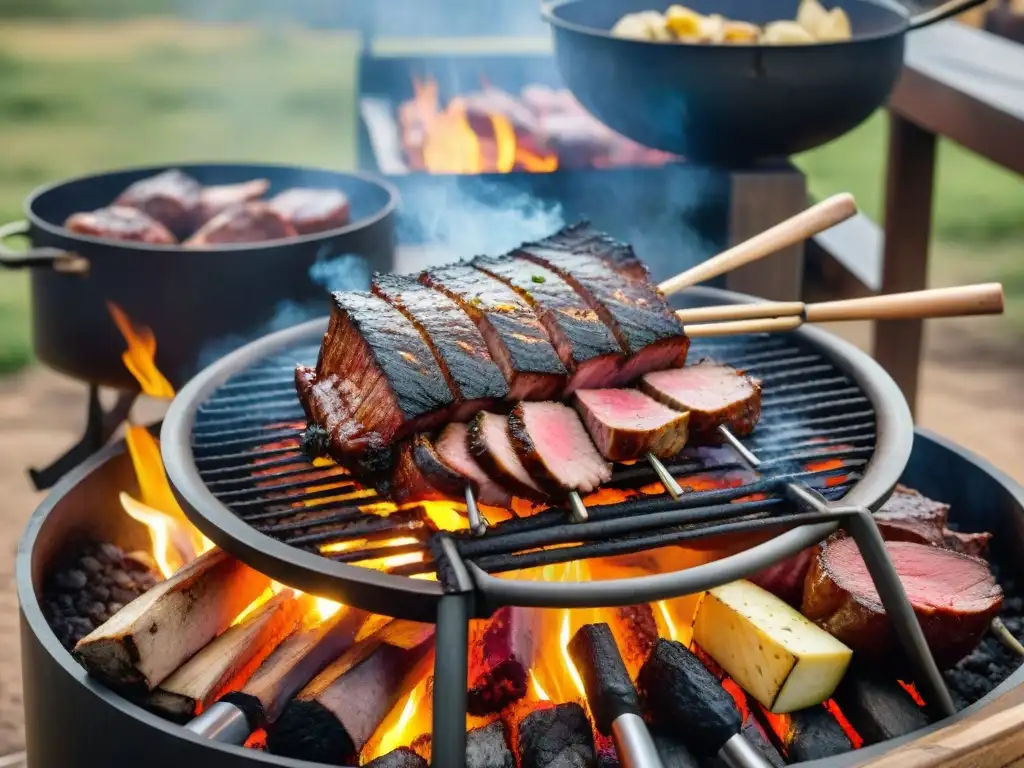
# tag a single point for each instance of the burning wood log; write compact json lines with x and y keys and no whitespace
{"x":773,"y":653}
{"x":334,"y":716}
{"x":954,"y":597}
{"x":501,"y":652}
{"x":403,"y":757}
{"x":229,"y":658}
{"x":878,"y":707}
{"x":557,"y":736}
{"x":156,"y":633}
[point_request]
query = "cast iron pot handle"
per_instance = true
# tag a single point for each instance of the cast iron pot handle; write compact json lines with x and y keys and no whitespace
{"x":940,"y":12}
{"x":54,"y":258}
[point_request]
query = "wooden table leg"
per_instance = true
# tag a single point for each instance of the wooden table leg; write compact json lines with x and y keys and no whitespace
{"x":908,"y":216}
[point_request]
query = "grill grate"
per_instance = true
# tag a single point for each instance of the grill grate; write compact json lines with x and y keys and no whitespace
{"x":246,"y":446}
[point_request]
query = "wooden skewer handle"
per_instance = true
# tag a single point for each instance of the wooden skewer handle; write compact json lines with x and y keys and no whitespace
{"x":983,"y":299}
{"x":740,"y":311}
{"x":769,"y":325}
{"x":815,"y":219}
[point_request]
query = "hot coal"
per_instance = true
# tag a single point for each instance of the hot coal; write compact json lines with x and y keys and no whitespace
{"x":812,"y":734}
{"x":557,"y":737}
{"x":672,"y":751}
{"x":403,"y":757}
{"x":679,"y":693}
{"x":501,"y":653}
{"x":609,"y":690}
{"x":487,"y":747}
{"x":877,"y":706}
{"x":91,"y":586}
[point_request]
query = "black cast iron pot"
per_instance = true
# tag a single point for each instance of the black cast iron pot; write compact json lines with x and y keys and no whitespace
{"x":732,"y":104}
{"x":195,"y":301}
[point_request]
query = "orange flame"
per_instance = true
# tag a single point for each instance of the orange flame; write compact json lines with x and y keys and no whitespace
{"x":140,"y":357}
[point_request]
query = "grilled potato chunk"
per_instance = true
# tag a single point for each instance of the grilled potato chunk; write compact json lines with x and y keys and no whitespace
{"x":837,"y":28}
{"x":813,"y":17}
{"x":683,"y":23}
{"x":786,"y":33}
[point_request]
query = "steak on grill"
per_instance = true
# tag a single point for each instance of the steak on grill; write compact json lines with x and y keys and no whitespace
{"x":626,"y":424}
{"x":553,"y":445}
{"x":713,"y":394}
{"x":171,"y":197}
{"x":515,"y":337}
{"x":421,"y":475}
{"x":455,"y":340}
{"x":491,"y":445}
{"x":954,"y":597}
{"x":220,"y":197}
{"x":453,"y":448}
{"x":312,"y":210}
{"x":910,"y":516}
{"x":646,"y":328}
{"x":119,"y":222}
{"x":584,"y":344}
{"x":251,"y":222}
{"x":582,"y":238}
{"x":376,"y":372}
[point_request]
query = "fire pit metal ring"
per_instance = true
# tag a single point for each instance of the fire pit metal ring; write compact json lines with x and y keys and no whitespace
{"x":418,"y":599}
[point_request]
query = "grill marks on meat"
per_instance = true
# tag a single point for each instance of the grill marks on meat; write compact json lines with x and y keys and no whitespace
{"x":453,"y":448}
{"x":455,"y":340}
{"x":713,"y":394}
{"x":421,"y":475}
{"x":556,"y":450}
{"x":376,"y":371}
{"x":626,"y":424}
{"x":171,"y":197}
{"x":584,"y":344}
{"x":646,"y":328}
{"x":515,"y":337}
{"x":491,"y":445}
{"x":119,"y":222}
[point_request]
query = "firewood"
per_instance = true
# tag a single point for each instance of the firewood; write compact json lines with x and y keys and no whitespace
{"x":296,"y":661}
{"x":227,"y":660}
{"x":334,"y":716}
{"x":877,"y":706}
{"x":403,"y":757}
{"x":557,"y":736}
{"x":501,"y":652}
{"x":157,"y":632}
{"x":954,"y":597}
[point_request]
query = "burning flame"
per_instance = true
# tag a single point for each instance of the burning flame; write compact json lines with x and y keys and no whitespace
{"x":326,"y":608}
{"x":538,"y":691}
{"x":140,"y":356}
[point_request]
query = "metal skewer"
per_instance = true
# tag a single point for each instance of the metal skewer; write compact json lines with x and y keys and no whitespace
{"x":1006,"y":637}
{"x":664,"y":476}
{"x":577,"y":508}
{"x":477,"y":523}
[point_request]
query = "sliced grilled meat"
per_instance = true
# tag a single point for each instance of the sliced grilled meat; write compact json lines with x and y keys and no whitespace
{"x":553,"y":445}
{"x":713,"y":394}
{"x":491,"y":445}
{"x":171,"y":197}
{"x":453,"y":448}
{"x":910,"y":516}
{"x":515,"y":337}
{"x":582,"y":238}
{"x":217,"y":198}
{"x":312,"y":210}
{"x":626,"y":424}
{"x":584,"y":344}
{"x":376,"y":378}
{"x":421,"y":475}
{"x":456,"y":341}
{"x":252,"y":222}
{"x":119,"y":222}
{"x":646,"y":328}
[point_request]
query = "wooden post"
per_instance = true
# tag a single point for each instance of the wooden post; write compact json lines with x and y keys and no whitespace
{"x":908,"y":218}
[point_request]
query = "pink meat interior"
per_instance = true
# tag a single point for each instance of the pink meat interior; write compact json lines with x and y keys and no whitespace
{"x":564,"y":446}
{"x":495,"y":434}
{"x":626,"y":409}
{"x":453,"y":447}
{"x":703,"y":387}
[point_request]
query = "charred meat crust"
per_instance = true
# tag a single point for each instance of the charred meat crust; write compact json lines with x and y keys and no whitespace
{"x":528,"y":454}
{"x":421,"y":475}
{"x":482,"y":453}
{"x":456,"y":341}
{"x":583,"y":238}
{"x":515,"y":337}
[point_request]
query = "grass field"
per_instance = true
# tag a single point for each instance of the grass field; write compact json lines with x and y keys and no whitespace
{"x":76,"y":98}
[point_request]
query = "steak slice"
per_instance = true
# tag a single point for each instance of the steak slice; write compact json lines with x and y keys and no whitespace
{"x":584,"y":344}
{"x":910,"y":516}
{"x":253,"y":222}
{"x":626,"y":424}
{"x":120,"y":223}
{"x":491,"y":445}
{"x":456,"y":341}
{"x":453,"y":448}
{"x":171,"y":197}
{"x":376,"y":370}
{"x":421,"y":475}
{"x":220,"y":197}
{"x":515,"y":337}
{"x":713,"y":394}
{"x":553,"y":445}
{"x":954,"y":597}
{"x":583,"y":238}
{"x":312,"y":210}
{"x":647,"y":330}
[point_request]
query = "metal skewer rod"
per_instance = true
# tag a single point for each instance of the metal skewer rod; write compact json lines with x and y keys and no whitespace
{"x":477,"y":523}
{"x":1006,"y":637}
{"x":578,"y":508}
{"x":664,"y":476}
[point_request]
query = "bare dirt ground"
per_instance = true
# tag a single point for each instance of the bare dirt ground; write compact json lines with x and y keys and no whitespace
{"x":969,"y":394}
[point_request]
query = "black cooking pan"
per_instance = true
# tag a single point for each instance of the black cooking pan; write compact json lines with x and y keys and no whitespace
{"x":196,"y":301}
{"x":732,"y":104}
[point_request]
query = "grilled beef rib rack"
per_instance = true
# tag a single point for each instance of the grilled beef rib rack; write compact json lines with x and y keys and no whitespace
{"x":823,"y":400}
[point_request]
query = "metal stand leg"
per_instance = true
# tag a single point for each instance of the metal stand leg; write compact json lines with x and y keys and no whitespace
{"x":99,"y":427}
{"x":451,"y":668}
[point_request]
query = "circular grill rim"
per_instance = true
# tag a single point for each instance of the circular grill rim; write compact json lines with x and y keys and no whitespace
{"x":417,"y":599}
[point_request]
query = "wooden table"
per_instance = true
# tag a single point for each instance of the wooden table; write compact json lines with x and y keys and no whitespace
{"x":958,"y":82}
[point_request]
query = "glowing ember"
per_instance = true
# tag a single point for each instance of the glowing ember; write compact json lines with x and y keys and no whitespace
{"x":670,"y":626}
{"x":447,"y":516}
{"x":912,"y":692}
{"x":326,"y":608}
{"x":140,"y":357}
{"x":563,"y":641}
{"x":851,"y":733}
